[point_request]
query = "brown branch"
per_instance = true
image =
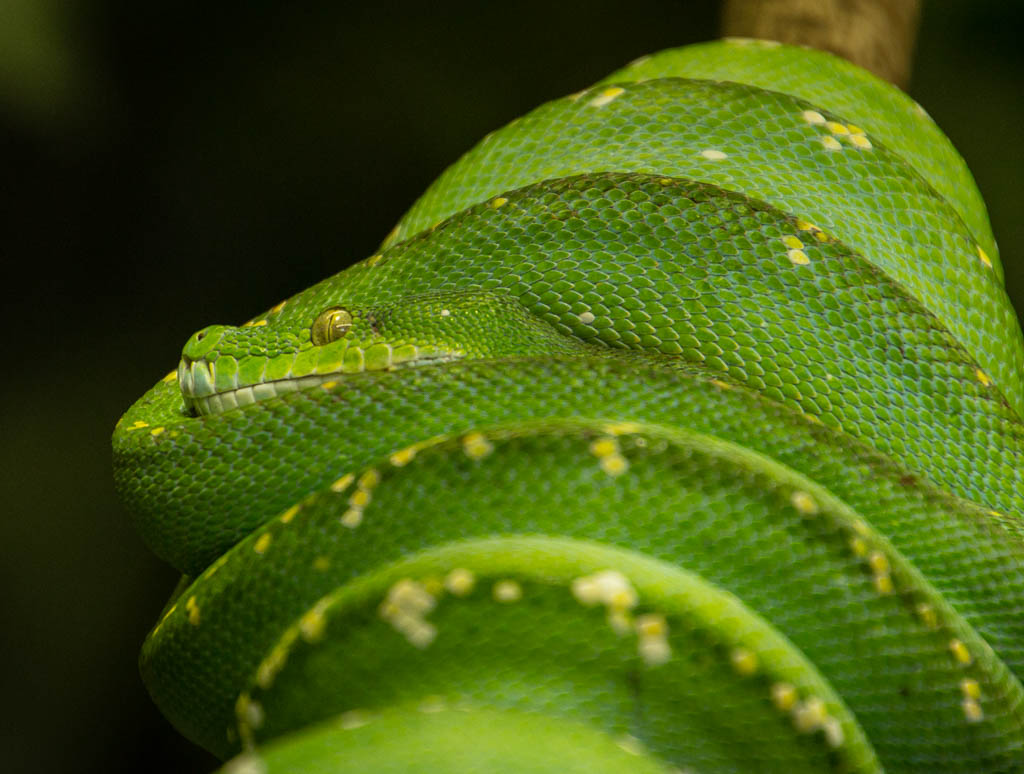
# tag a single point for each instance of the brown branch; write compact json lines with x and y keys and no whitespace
{"x":875,"y":34}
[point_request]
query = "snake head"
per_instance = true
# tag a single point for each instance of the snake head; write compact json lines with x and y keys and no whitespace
{"x":226,"y":367}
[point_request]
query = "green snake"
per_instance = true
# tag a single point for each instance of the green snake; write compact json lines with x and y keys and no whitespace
{"x":675,"y":428}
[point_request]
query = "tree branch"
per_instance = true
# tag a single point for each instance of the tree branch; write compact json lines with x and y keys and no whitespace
{"x":875,"y":34}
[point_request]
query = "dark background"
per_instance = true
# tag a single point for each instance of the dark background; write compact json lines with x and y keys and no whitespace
{"x":167,"y":165}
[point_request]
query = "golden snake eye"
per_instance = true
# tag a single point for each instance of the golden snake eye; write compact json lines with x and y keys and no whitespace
{"x":330,"y":325}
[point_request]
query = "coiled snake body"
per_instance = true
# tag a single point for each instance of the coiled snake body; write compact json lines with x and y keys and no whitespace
{"x":675,"y":428}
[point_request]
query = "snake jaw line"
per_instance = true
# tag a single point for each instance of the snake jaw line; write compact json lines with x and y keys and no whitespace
{"x":197,"y":380}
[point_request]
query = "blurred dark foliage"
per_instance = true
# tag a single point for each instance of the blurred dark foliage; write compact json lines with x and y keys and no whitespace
{"x":169,"y":165}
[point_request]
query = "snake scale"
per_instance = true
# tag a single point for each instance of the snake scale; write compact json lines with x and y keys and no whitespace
{"x":676,"y":427}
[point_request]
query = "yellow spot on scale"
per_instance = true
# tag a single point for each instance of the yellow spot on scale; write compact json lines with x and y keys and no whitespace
{"x":404,"y":607}
{"x":798,"y":257}
{"x":809,"y":715}
{"x":620,"y":621}
{"x":192,"y":607}
{"x":836,"y":128}
{"x":288,"y":515}
{"x":411,"y":597}
{"x":614,"y":464}
{"x":831,"y":143}
{"x":171,"y":377}
{"x":156,"y":431}
{"x":434,"y":584}
{"x":970,"y":688}
{"x":342,"y":483}
{"x":271,"y":665}
{"x":721,"y":385}
{"x":329,"y":385}
{"x":604,"y":447}
{"x":651,"y":625}
{"x":960,"y":652}
{"x":608,"y":587}
{"x":369,"y":479}
{"x":212,"y":569}
{"x":278,"y":307}
{"x":713,"y":155}
{"x":138,"y":424}
{"x":262,"y":543}
{"x":804,"y":503}
{"x":352,"y":518}
{"x":248,"y":712}
{"x":476,"y":446}
{"x":860,"y":141}
{"x":373,"y":260}
{"x":321,"y":564}
{"x":621,"y":428}
{"x":982,"y":377}
{"x":784,"y":696}
{"x":606,"y":95}
{"x":859,"y":546}
{"x":984,"y":257}
{"x":972,"y":711}
{"x":878,"y":562}
{"x":833,"y":732}
{"x":927,"y":615}
{"x":256,"y":323}
{"x":403,"y":457}
{"x":792,"y":242}
{"x":744,"y":661}
{"x":652,"y":642}
{"x":460,"y":581}
{"x":586,"y":317}
{"x":498,"y":203}
{"x":855,"y":129}
{"x":360,"y":498}
{"x":812,"y":117}
{"x":883,"y":583}
{"x":313,"y":621}
{"x":507,"y":591}
{"x":816,"y":232}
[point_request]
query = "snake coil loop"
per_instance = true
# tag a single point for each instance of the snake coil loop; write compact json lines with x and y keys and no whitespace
{"x":677,"y":427}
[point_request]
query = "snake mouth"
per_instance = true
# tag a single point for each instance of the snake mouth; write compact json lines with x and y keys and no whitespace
{"x":207,"y":391}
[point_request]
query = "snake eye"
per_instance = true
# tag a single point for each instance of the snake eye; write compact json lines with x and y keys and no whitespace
{"x":330,"y":325}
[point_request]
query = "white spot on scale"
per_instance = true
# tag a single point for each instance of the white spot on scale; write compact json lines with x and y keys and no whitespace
{"x":246,"y":763}
{"x":713,"y":155}
{"x":507,"y":591}
{"x":606,"y":96}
